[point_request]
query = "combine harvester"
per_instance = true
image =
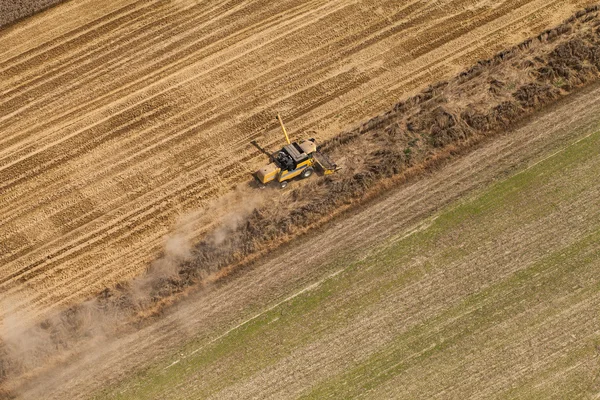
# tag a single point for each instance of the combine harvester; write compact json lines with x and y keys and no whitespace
{"x":294,"y":159}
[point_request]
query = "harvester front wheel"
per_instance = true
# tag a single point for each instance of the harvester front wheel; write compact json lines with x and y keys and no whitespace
{"x":307,"y":172}
{"x":283,"y":184}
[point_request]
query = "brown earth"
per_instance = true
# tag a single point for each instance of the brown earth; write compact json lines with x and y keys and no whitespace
{"x":14,"y":10}
{"x":118,"y":120}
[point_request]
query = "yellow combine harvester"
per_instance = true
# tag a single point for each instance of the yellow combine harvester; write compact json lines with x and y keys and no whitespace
{"x":294,"y":159}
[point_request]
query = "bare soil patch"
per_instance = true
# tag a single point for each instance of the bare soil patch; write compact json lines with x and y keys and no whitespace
{"x":14,"y":10}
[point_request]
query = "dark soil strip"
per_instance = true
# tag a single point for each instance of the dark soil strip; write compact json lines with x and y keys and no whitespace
{"x":12,"y":11}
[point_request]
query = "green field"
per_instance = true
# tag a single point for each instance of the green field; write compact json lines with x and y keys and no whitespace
{"x":497,"y":296}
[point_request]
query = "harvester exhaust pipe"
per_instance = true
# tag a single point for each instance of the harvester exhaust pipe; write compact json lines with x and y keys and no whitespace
{"x":283,"y":129}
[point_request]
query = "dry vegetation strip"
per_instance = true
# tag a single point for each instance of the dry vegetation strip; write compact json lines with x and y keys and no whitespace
{"x":496,"y":298}
{"x":422,"y":133}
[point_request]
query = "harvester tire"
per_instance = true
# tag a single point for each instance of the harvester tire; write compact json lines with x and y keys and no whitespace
{"x":283,"y":184}
{"x":307,"y":173}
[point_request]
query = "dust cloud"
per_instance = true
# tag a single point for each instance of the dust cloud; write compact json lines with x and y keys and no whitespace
{"x":28,"y":346}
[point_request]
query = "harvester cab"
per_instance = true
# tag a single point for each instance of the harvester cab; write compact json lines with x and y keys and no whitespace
{"x":293,"y":160}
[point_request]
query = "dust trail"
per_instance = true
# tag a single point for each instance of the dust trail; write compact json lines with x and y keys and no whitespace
{"x":212,"y":225}
{"x":29,"y":348}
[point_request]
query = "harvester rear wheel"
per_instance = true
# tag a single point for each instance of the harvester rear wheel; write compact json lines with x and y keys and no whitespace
{"x":307,"y":172}
{"x":283,"y":184}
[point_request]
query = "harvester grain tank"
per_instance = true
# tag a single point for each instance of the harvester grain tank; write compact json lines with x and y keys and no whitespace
{"x":294,"y":160}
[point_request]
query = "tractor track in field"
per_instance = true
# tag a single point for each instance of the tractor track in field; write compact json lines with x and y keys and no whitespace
{"x":112,"y":128}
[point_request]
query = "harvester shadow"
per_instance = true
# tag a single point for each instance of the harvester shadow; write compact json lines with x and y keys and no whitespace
{"x":261,"y":149}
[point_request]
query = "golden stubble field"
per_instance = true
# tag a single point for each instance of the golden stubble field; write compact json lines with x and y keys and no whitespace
{"x":118,"y":118}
